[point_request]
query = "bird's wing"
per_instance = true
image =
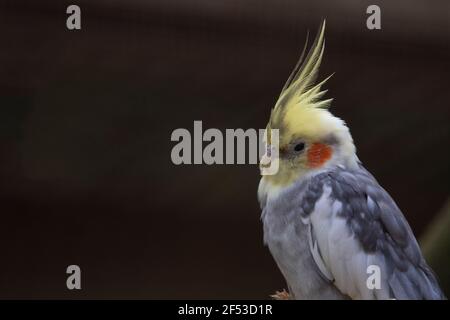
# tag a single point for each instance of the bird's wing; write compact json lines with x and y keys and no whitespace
{"x":356,"y":232}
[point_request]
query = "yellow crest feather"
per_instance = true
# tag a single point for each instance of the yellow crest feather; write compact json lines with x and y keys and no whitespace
{"x":301,"y":114}
{"x":299,"y":92}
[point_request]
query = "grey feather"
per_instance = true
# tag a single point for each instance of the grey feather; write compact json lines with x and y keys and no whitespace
{"x":374,"y":223}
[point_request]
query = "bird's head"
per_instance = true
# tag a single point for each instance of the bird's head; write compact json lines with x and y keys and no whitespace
{"x":310,"y":137}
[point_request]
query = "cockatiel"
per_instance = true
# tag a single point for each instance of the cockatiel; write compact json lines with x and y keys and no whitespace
{"x":327,"y":222}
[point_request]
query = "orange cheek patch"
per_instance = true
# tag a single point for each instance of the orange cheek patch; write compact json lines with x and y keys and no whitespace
{"x":318,"y":154}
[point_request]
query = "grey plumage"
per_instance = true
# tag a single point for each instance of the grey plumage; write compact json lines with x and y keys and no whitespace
{"x":326,"y":228}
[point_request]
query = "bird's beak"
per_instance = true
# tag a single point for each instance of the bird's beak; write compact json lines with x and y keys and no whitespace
{"x":269,"y":162}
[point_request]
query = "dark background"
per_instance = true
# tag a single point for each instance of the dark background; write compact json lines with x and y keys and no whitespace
{"x":86,"y":117}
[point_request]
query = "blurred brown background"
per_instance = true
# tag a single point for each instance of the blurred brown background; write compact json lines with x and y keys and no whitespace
{"x":86,"y":118}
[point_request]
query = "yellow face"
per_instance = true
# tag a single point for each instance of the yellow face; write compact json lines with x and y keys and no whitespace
{"x":307,"y":142}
